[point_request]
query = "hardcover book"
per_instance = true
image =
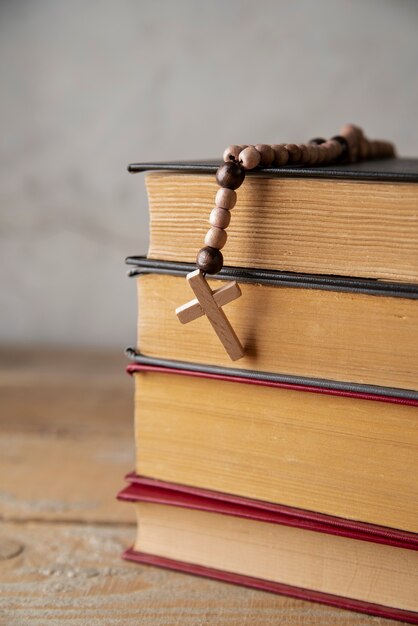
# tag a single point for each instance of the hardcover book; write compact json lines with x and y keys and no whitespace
{"x":294,"y":468}
{"x":324,"y":327}
{"x":309,"y":556}
{"x":357,"y":220}
{"x":334,"y":451}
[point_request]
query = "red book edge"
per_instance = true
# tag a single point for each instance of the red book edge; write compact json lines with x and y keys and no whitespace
{"x":142,"y":489}
{"x":273,"y":587}
{"x":134,"y":368}
{"x":147,"y":490}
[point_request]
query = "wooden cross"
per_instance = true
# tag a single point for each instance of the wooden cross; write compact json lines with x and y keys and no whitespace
{"x":209,"y":303}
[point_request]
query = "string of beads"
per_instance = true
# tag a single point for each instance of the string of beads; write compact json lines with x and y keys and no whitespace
{"x":349,"y":146}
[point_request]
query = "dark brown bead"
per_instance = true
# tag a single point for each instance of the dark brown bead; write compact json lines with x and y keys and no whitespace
{"x":342,"y":158}
{"x":209,"y":260}
{"x":294,"y":153}
{"x":230,"y":175}
{"x":317,"y":141}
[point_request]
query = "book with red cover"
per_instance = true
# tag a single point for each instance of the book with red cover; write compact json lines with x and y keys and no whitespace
{"x":147,"y":490}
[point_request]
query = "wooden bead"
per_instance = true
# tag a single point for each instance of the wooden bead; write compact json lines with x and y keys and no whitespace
{"x":334,"y":149}
{"x":317,"y":141}
{"x":219,"y":217}
{"x":374,"y":149}
{"x":226,"y":198}
{"x":266,"y":153}
{"x":323,"y":156}
{"x":319,"y":154}
{"x":231,"y":153}
{"x":216,"y":238}
{"x":313,"y":154}
{"x":304,"y":156}
{"x":353,"y":134}
{"x":230,"y":175}
{"x":281,"y":155}
{"x":364,"y":149}
{"x":343,"y":156}
{"x":209,"y":260}
{"x":294,"y":153}
{"x":249,"y":158}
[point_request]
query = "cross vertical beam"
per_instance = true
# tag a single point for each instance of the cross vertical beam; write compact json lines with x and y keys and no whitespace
{"x":206,"y":298}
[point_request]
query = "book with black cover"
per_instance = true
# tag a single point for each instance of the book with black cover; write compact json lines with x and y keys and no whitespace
{"x":314,"y":329}
{"x":350,"y":220}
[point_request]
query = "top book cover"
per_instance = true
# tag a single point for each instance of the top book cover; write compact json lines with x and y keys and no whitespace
{"x":358,"y":220}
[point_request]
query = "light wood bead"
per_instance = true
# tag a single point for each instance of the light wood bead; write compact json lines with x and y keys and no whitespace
{"x":219,"y":217}
{"x":281,"y":155}
{"x":364,"y":149}
{"x":323,"y":155}
{"x":226,"y":198}
{"x":266,"y":153}
{"x":294,"y":153}
{"x":231,"y":153}
{"x":216,"y":238}
{"x":249,"y":157}
{"x":374,"y":149}
{"x":313,"y":154}
{"x":353,"y":134}
{"x":334,"y":148}
{"x":304,"y":156}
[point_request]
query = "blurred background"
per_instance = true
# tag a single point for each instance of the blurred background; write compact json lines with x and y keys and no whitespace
{"x":87,"y":87}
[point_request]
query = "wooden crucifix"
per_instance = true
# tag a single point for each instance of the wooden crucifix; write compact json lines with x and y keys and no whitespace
{"x":209,"y":303}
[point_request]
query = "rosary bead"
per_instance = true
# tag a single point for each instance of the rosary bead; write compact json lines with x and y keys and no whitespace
{"x":333,"y":147}
{"x":230,"y":175}
{"x":231,"y":153}
{"x":364,"y":149}
{"x":304,"y":154}
{"x":209,"y":260}
{"x":317,"y":141}
{"x":388,"y":149}
{"x":216,"y":238}
{"x":266,"y":153}
{"x":249,"y":158}
{"x":353,"y":135}
{"x":294,"y":153}
{"x":342,"y":158}
{"x":374,"y":149}
{"x":219,"y":217}
{"x":323,"y":158}
{"x":281,"y":155}
{"x":226,"y":198}
{"x":313,"y":154}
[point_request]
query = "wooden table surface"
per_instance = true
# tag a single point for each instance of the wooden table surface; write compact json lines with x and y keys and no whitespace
{"x":66,"y":442}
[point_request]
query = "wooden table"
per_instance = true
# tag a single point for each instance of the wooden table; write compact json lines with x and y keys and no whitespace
{"x":66,"y":442}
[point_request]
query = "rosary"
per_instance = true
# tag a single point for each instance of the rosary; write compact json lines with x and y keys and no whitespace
{"x":349,"y":146}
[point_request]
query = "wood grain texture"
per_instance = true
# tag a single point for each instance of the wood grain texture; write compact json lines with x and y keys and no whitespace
{"x":72,"y":574}
{"x":215,"y":315}
{"x":307,"y":332}
{"x":62,"y":566}
{"x":223,"y":295}
{"x":313,"y":226}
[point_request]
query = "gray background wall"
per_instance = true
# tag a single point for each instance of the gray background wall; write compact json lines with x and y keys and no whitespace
{"x":88,"y":86}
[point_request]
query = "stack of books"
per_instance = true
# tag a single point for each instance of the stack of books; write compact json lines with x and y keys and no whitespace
{"x":294,"y":469}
